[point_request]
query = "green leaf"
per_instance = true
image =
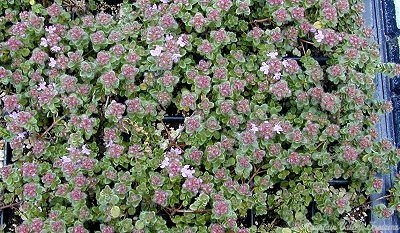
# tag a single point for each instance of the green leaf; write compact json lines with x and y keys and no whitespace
{"x":25,"y":52}
{"x":139,"y":224}
{"x":115,"y":212}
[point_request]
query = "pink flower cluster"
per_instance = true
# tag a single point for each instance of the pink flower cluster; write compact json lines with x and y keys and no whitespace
{"x":173,"y":163}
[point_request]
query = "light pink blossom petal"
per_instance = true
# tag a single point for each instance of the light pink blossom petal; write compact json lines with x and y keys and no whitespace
{"x":157,"y":51}
{"x":272,"y":55}
{"x":319,"y":36}
{"x":278,"y":129}
{"x":43,"y":42}
{"x":85,"y":150}
{"x":180,"y":42}
{"x":264,"y":68}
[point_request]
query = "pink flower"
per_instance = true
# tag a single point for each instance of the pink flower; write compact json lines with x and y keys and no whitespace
{"x":29,"y":170}
{"x":221,"y":208}
{"x":160,"y":197}
{"x":157,"y":51}
{"x":192,"y":184}
{"x":377,"y":183}
{"x":30,"y":190}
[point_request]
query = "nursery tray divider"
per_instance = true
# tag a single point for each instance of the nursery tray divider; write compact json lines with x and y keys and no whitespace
{"x":5,"y":155}
{"x":3,"y":163}
{"x":389,"y":19}
{"x":339,"y":183}
{"x":380,"y":16}
{"x":322,"y":60}
{"x":174,"y":119}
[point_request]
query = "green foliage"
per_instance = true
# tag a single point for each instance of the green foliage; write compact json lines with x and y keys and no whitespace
{"x":278,"y":100}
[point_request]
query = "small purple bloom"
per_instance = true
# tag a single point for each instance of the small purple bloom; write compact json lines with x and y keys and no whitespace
{"x":42,"y":86}
{"x":319,"y":36}
{"x":272,"y":55}
{"x":264,"y":68}
{"x":43,"y":42}
{"x":52,"y":62}
{"x":278,"y":129}
{"x":180,"y":42}
{"x":85,"y":150}
{"x":187,"y":172}
{"x":165,"y":162}
{"x":157,"y":51}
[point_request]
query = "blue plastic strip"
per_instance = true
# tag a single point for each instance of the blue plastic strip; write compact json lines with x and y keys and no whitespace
{"x":379,"y":16}
{"x":6,"y":158}
{"x":178,"y":119}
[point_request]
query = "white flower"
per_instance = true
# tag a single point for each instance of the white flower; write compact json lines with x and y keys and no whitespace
{"x":85,"y":150}
{"x":43,"y":42}
{"x":176,"y":56}
{"x":277,"y":76}
{"x":169,"y":37}
{"x":319,"y":36}
{"x":254,"y":128}
{"x":51,"y":29}
{"x":41,"y":86}
{"x":165,"y":162}
{"x":264,"y":68}
{"x":278,"y":129}
{"x":272,"y":55}
{"x":187,"y":172}
{"x":21,"y":135}
{"x":157,"y":51}
{"x":110,"y":143}
{"x":52,"y":63}
{"x":285,"y":63}
{"x":177,"y":151}
{"x":165,"y":1}
{"x":14,"y":115}
{"x":65,"y":159}
{"x":180,"y":42}
{"x":71,"y":148}
{"x":55,"y":49}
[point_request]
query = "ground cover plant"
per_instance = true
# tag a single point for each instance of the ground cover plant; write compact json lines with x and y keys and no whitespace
{"x":278,"y":99}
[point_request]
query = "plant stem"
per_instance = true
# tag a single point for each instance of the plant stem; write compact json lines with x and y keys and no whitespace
{"x":306,"y":41}
{"x":10,"y":205}
{"x":256,"y":172}
{"x":192,"y":211}
{"x":262,"y":20}
{"x":51,"y":126}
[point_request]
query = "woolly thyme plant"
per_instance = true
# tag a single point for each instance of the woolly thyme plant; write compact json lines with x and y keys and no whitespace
{"x":278,"y":98}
